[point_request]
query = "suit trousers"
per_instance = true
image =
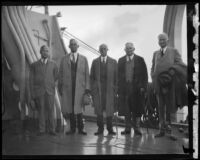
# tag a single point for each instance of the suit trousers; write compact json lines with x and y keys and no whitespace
{"x":76,"y":120}
{"x":164,"y":114}
{"x":45,"y":105}
{"x":100,"y":123}
{"x":130,"y":118}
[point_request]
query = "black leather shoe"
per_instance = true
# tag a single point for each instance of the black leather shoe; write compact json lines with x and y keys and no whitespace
{"x":172,"y":137}
{"x":161,"y":134}
{"x":53,"y":133}
{"x":138,"y":132}
{"x":111,"y":133}
{"x":98,"y":133}
{"x":70,"y":132}
{"x":40,"y":133}
{"x":82,"y":132}
{"x":168,"y":129}
{"x":125,"y":132}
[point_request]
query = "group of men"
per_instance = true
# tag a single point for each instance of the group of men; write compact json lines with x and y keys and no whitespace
{"x":114,"y":87}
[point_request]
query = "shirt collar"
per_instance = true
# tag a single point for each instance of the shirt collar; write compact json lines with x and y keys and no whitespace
{"x":127,"y":57}
{"x":75,"y":55}
{"x":104,"y":58}
{"x":44,"y":60}
{"x":164,"y":49}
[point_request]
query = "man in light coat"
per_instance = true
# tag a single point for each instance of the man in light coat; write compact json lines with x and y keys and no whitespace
{"x":166,"y":65}
{"x":43,"y":77}
{"x":72,"y":85}
{"x":103,"y":80}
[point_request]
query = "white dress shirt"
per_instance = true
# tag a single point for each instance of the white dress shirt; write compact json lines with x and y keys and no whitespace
{"x":164,"y":50}
{"x":104,"y":59}
{"x":127,"y":57}
{"x":44,"y":60}
{"x":75,"y":56}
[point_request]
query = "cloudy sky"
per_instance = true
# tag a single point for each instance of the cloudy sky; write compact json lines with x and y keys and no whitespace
{"x":114,"y":25}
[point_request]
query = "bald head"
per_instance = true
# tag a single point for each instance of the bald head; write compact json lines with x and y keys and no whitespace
{"x":129,"y":48}
{"x":163,"y":40}
{"x":73,"y":45}
{"x":103,"y":49}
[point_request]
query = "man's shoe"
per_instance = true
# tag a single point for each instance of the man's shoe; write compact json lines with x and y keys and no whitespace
{"x":82,"y":132}
{"x":70,"y":132}
{"x":111,"y":133}
{"x":53,"y":133}
{"x":161,"y":134}
{"x":168,"y":129}
{"x":40,"y":133}
{"x":138,"y":132}
{"x":125,"y":132}
{"x":173,"y":137}
{"x":98,"y":133}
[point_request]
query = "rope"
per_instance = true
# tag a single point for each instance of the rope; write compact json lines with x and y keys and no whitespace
{"x":83,"y":44}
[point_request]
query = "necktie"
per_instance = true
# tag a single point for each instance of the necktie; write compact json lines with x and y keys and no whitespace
{"x":129,"y":58}
{"x":104,"y":60}
{"x":162,"y":52}
{"x":43,"y":61}
{"x":73,"y":57}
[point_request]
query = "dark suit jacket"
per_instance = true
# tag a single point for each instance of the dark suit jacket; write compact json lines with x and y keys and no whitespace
{"x":43,"y":78}
{"x":140,"y":80}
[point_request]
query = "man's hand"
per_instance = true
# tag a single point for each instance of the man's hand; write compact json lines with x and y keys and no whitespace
{"x":171,"y":71}
{"x":60,"y":91}
{"x":116,"y":114}
{"x":32,"y":104}
{"x":141,"y":90}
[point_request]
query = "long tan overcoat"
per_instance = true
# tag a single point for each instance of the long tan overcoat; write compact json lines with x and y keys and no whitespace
{"x":65,"y":83}
{"x":111,"y":89}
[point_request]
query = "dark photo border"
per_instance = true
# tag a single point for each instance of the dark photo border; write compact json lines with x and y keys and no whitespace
{"x":191,"y":11}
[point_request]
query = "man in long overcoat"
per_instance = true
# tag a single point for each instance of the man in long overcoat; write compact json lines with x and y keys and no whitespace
{"x":43,"y":77}
{"x":103,"y":80}
{"x":132,"y":84}
{"x":72,"y":85}
{"x":168,"y":74}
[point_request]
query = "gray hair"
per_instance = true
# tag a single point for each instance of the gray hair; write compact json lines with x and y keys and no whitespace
{"x":163,"y":35}
{"x":129,"y":43}
{"x":103,"y":45}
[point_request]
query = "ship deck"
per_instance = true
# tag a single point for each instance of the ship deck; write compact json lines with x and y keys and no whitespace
{"x":29,"y":143}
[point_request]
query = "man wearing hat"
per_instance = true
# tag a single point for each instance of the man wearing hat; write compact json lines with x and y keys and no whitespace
{"x":166,"y":64}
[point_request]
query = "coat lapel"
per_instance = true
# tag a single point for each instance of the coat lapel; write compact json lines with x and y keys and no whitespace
{"x":68,"y":61}
{"x":79,"y":61}
{"x":124,"y":67}
{"x":108,"y":68}
{"x":98,"y":69}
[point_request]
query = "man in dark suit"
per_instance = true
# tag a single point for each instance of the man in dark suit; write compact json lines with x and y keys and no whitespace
{"x":166,"y":65}
{"x":103,"y":79}
{"x":73,"y":84}
{"x":43,"y":77}
{"x":132,"y":84}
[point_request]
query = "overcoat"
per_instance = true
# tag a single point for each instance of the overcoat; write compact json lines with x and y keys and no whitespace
{"x":177,"y":93}
{"x":65,"y":83}
{"x":111,"y":89}
{"x":140,"y":80}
